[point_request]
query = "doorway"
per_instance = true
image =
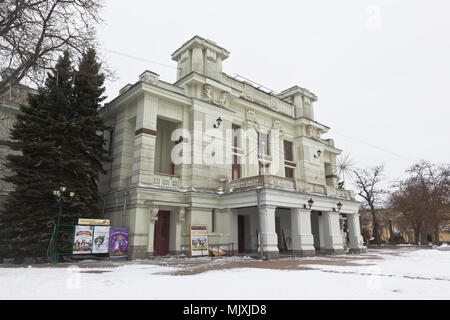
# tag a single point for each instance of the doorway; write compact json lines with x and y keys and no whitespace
{"x":241,"y":234}
{"x":161,"y":240}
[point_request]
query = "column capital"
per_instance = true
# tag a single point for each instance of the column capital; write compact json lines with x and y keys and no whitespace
{"x":153,"y":210}
{"x":181,"y":214}
{"x":267,"y":207}
{"x":301,"y":210}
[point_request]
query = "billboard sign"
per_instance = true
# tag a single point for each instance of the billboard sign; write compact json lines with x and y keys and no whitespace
{"x":118,"y":241}
{"x":82,"y":240}
{"x":101,"y":239}
{"x":198,"y":239}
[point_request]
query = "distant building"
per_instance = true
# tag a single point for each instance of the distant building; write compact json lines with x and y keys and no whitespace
{"x":199,"y":151}
{"x":10,"y":103}
{"x":394,"y":228}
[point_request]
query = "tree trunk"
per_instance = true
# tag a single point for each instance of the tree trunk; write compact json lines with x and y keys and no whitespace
{"x":375,"y":226}
{"x":436,"y":234}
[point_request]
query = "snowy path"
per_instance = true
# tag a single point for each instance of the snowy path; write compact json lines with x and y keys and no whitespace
{"x":379,"y":274}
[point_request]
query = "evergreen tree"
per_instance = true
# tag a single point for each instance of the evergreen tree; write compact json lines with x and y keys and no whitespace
{"x":39,"y":137}
{"x":87,"y":141}
{"x":59,"y":139}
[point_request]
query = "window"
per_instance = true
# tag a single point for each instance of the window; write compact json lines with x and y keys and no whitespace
{"x":263,"y":144}
{"x":289,"y":172}
{"x":236,"y":165}
{"x":289,"y":163}
{"x":288,"y":156}
{"x":236,"y":136}
{"x":236,"y":168}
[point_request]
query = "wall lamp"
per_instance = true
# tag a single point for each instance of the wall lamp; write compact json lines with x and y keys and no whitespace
{"x":310,"y":203}
{"x":318,"y":153}
{"x":339,"y":206}
{"x":219,"y":121}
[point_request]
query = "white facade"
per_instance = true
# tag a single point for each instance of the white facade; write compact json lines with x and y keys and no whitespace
{"x":267,"y":143}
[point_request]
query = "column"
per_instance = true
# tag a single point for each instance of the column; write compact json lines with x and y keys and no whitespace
{"x":302,"y":238}
{"x":152,"y":218}
{"x":180,"y":217}
{"x":354,"y":230}
{"x":269,"y":236}
{"x":197,"y":60}
{"x":145,"y":140}
{"x":233,"y":222}
{"x":331,"y":233}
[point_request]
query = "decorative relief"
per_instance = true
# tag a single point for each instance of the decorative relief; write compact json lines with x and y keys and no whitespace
{"x":181,"y":215}
{"x":154,"y":209}
{"x":309,"y":131}
{"x":222,"y":99}
{"x":276,"y":124}
{"x":248,"y":92}
{"x":251,"y":117}
{"x":207,"y":93}
{"x":274,"y":104}
{"x":318,"y":133}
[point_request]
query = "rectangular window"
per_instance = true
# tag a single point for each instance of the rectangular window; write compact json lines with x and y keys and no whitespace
{"x":288,"y":160}
{"x":288,"y":154}
{"x":289,"y":172}
{"x":236,"y":165}
{"x":236,"y":168}
{"x":263,"y":144}
{"x":236,"y":136}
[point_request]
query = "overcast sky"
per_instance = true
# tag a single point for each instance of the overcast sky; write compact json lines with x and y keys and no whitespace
{"x":381,"y":69}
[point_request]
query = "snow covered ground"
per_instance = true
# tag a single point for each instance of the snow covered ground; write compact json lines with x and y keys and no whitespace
{"x":378,"y":274}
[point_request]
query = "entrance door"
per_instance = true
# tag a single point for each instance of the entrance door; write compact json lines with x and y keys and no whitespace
{"x":161,"y":240}
{"x":241,"y":238}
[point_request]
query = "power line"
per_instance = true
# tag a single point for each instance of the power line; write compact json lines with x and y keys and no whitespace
{"x":139,"y":58}
{"x":375,"y":147}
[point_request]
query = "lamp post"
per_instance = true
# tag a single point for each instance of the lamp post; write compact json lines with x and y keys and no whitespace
{"x":60,"y":197}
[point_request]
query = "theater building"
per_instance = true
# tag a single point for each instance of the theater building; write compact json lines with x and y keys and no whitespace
{"x":222,"y":151}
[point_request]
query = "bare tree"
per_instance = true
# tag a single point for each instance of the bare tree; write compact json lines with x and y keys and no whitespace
{"x":423,"y":198}
{"x":34,"y":33}
{"x":345,"y":166}
{"x":367,"y":181}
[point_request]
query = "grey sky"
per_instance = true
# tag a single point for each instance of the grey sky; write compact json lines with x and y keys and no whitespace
{"x":381,"y":69}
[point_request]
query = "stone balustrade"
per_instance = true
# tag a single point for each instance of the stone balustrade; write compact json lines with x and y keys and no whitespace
{"x":166,"y":181}
{"x":262,"y":181}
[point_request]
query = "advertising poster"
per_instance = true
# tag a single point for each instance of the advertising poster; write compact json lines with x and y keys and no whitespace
{"x":118,"y":241}
{"x":198,"y":239}
{"x":82,"y":242}
{"x":101,"y":239}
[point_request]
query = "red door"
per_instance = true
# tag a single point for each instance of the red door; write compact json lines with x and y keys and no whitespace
{"x":161,"y":241}
{"x":241,"y":238}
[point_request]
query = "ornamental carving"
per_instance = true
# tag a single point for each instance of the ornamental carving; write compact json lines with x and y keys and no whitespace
{"x":207,"y":93}
{"x":309,"y":131}
{"x":251,"y":117}
{"x":223,"y":98}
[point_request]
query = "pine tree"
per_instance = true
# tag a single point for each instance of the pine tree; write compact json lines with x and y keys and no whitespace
{"x":39,"y":136}
{"x":87,"y":141}
{"x":59,"y":139}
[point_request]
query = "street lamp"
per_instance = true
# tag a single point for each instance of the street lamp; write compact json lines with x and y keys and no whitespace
{"x":60,"y":197}
{"x":219,"y":121}
{"x":310,"y":203}
{"x":339,"y":206}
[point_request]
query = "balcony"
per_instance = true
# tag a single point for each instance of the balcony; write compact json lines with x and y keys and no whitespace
{"x":166,"y":181}
{"x":260,"y":181}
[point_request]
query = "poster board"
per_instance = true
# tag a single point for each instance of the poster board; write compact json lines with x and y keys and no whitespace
{"x":82,"y":240}
{"x":101,"y":239}
{"x":198,"y":235}
{"x":118,"y":242}
{"x":94,"y":222}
